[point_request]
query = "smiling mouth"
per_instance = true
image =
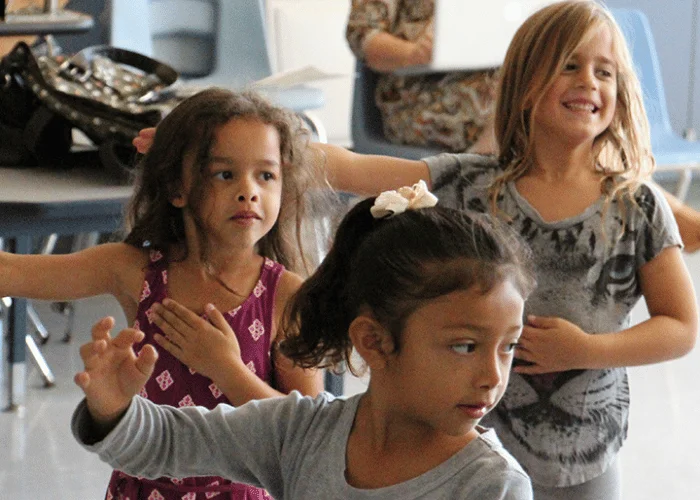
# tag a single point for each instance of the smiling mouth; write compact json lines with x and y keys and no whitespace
{"x":580,"y":106}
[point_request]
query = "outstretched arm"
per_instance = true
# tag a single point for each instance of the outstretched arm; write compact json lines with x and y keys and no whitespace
{"x":369,"y":174}
{"x":113,"y":373}
{"x":347,"y":171}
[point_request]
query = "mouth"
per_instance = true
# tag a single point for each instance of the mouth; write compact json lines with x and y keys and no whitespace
{"x":476,"y":410}
{"x":579,"y":105}
{"x":245,"y":216}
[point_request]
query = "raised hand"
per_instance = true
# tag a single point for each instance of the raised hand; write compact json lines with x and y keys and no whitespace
{"x":208,"y":347}
{"x":113,"y":373}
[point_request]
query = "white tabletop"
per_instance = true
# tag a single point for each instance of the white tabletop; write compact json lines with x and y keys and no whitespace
{"x":43,"y":185}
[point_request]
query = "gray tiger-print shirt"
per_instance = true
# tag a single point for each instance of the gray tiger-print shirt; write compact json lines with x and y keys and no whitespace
{"x":565,"y":428}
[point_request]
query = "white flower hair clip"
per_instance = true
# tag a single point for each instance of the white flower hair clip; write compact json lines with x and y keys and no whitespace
{"x":392,"y":202}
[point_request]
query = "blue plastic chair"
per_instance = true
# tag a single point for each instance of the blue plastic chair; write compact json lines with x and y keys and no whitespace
{"x":366,"y":122}
{"x":672,"y":152}
{"x":210,"y":42}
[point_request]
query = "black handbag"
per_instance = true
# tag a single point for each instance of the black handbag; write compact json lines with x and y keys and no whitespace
{"x":106,"y":92}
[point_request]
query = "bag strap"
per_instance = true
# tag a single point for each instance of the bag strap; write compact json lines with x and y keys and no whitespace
{"x":148,"y":65}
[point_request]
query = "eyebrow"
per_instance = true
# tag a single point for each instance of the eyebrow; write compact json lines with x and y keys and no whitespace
{"x":230,"y":161}
{"x":480,"y":329}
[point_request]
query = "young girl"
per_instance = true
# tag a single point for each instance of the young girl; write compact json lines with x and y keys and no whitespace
{"x":574,"y":148}
{"x":431,"y":299}
{"x":212,"y":220}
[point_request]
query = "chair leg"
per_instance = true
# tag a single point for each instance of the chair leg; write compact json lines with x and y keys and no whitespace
{"x":37,"y":324}
{"x":39,"y":361}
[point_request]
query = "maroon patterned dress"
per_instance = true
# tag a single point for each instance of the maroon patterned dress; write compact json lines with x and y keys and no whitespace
{"x":174,"y":384}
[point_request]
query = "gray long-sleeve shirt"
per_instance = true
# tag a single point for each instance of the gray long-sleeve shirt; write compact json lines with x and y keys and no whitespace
{"x":293,"y":446}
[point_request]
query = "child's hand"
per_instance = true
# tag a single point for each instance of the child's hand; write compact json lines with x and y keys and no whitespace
{"x":551,"y":345}
{"x":113,"y":372}
{"x":144,"y":140}
{"x":207,"y":347}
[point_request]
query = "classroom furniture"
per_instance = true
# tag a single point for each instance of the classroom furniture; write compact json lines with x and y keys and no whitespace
{"x":366,"y":122}
{"x":37,"y":202}
{"x":185,"y":34}
{"x":673,"y":153}
{"x":51,"y":21}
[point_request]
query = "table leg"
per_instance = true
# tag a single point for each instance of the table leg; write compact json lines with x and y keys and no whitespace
{"x":16,"y":371}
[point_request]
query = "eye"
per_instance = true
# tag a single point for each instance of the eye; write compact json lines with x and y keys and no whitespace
{"x":605,"y":73}
{"x":463,"y":347}
{"x":224,"y":175}
{"x":510,"y":348}
{"x":570,"y":66}
{"x":268,"y":176}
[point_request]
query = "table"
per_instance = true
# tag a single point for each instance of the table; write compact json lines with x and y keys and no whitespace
{"x":57,"y":22}
{"x":41,"y":201}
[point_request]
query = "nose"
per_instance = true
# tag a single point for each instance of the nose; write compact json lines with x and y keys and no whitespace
{"x":248,"y":190}
{"x":587,"y":77}
{"x":491,"y":372}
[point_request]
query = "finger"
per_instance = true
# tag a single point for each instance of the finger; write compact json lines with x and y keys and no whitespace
{"x":541,"y":321}
{"x":218,"y":320}
{"x":181,"y":312}
{"x":128,"y":337}
{"x":174,"y":328}
{"x":90,"y":352}
{"x":82,"y":380}
{"x":530,"y":370}
{"x":168,"y":344}
{"x":101,"y":329}
{"x":148,"y":133}
{"x":146,"y":360}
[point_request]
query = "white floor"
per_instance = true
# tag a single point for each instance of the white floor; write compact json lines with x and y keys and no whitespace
{"x":40,"y":461}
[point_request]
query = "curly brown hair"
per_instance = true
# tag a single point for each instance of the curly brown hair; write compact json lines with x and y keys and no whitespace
{"x":152,"y":221}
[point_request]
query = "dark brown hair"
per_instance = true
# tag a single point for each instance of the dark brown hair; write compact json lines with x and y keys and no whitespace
{"x":392,"y":266}
{"x":152,"y":220}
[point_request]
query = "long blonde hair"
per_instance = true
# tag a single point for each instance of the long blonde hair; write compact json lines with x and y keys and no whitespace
{"x":535,"y":57}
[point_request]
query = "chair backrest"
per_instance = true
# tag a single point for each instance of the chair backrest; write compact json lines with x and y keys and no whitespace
{"x":241,"y":55}
{"x":366,"y":121}
{"x":640,"y":40}
{"x":221,"y":42}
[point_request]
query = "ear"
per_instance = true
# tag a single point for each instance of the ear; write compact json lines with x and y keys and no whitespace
{"x":371,"y":341}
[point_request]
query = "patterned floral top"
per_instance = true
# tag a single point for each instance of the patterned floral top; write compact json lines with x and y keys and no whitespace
{"x":174,"y":384}
{"x":447,"y":110}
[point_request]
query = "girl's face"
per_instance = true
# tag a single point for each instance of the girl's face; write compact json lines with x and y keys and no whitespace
{"x":455,"y":357}
{"x":580,"y":103}
{"x":242,"y":184}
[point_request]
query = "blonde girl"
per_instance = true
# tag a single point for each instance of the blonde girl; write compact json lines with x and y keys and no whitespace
{"x":574,"y":150}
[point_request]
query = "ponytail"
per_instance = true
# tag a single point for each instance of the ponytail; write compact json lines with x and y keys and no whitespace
{"x":318,"y":317}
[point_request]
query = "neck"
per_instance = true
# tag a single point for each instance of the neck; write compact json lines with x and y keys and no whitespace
{"x":387,"y":430}
{"x":556,"y":162}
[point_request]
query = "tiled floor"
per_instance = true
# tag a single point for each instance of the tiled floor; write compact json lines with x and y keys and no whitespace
{"x":40,"y":461}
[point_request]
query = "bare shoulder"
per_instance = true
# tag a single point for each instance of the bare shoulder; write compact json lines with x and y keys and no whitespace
{"x":288,"y":285}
